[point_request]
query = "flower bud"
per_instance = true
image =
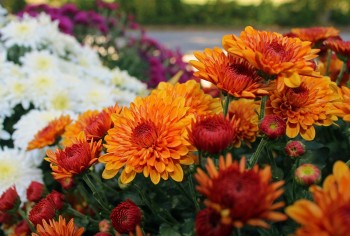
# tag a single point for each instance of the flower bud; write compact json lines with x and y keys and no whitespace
{"x":57,"y":199}
{"x":125,"y":217}
{"x":295,"y":148}
{"x":43,"y":210}
{"x":35,"y":191}
{"x":9,"y":199}
{"x":273,"y":126}
{"x":104,"y":225}
{"x":307,"y":174}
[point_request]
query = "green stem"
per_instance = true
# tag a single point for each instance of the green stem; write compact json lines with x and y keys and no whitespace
{"x":183,"y":190}
{"x":348,"y":163}
{"x":97,"y":195}
{"x":255,"y":157}
{"x":24,"y":216}
{"x":294,"y":186}
{"x":342,"y":70}
{"x":226,"y":104}
{"x":238,"y":232}
{"x":329,"y":57}
{"x":193,"y":193}
{"x":262,"y":107}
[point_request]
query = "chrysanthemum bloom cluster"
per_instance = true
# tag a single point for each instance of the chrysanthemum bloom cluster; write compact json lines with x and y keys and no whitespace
{"x":312,"y":103}
{"x":315,"y":34}
{"x":50,"y":133}
{"x":245,"y":111}
{"x":74,"y":159}
{"x":273,"y":54}
{"x":231,"y":74}
{"x":53,"y":228}
{"x":328,"y":214}
{"x":240,"y":196}
{"x":125,"y":217}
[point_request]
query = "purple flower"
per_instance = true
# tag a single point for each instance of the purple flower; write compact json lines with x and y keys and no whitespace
{"x":105,"y":5}
{"x":81,"y":18}
{"x":69,"y":9}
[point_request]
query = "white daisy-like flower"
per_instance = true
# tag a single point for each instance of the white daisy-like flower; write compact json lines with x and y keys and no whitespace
{"x":4,"y":135}
{"x":17,"y":170}
{"x":62,"y":100}
{"x":30,"y":124}
{"x":39,"y":61}
{"x":21,"y":32}
{"x":16,"y":91}
{"x":122,"y":79}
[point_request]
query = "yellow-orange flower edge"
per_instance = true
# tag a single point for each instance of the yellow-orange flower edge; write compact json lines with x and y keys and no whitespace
{"x":58,"y":228}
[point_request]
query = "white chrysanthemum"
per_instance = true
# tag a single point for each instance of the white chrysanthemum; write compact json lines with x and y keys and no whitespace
{"x":39,"y":61}
{"x":17,"y":170}
{"x":4,"y":135}
{"x":62,"y":100}
{"x":30,"y":124}
{"x":122,"y":79}
{"x":123,"y":97}
{"x":22,"y":32}
{"x":16,"y":89}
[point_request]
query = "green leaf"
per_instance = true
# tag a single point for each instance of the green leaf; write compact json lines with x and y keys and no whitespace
{"x":166,"y":230}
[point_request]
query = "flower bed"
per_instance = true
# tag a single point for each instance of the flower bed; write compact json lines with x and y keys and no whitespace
{"x":87,"y":150}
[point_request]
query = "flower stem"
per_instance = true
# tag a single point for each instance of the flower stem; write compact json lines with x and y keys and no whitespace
{"x":193,"y":192}
{"x":24,"y":216}
{"x":329,"y":57}
{"x":262,"y":107}
{"x":255,"y":157}
{"x":342,"y":70}
{"x":97,"y":195}
{"x":226,"y":104}
{"x":238,"y":232}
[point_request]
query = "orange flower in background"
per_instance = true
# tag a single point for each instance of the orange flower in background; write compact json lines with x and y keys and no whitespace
{"x":329,"y":213}
{"x":340,"y":47}
{"x":245,"y":111}
{"x":198,"y":102}
{"x":149,"y":138}
{"x":58,"y":228}
{"x":50,"y":133}
{"x":344,"y":105}
{"x":310,"y":104}
{"x":315,"y":34}
{"x":94,"y":124}
{"x":240,"y":196}
{"x":74,"y":159}
{"x":229,"y":73}
{"x":274,"y":54}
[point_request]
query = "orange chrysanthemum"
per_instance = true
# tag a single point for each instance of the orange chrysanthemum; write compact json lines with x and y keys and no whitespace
{"x":74,"y":159}
{"x":240,"y":196}
{"x":93,"y":123}
{"x":149,"y":137}
{"x":340,"y":47}
{"x":58,"y":228}
{"x":229,"y":73}
{"x":246,"y":113}
{"x":310,"y":104}
{"x":274,"y":54}
{"x":328,"y":215}
{"x":198,"y":102}
{"x":344,"y":105}
{"x":315,"y":34}
{"x":50,"y":133}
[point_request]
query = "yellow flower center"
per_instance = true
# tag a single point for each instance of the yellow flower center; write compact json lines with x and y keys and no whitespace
{"x":61,"y":102}
{"x":8,"y":171}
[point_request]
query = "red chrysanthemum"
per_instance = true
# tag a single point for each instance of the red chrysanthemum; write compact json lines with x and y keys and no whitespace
{"x":35,"y":191}
{"x":74,"y":159}
{"x":125,"y":217}
{"x":229,"y":73}
{"x":50,"y":133}
{"x":43,"y":210}
{"x":295,"y":148}
{"x":240,"y":196}
{"x":340,"y":47}
{"x":21,"y":229}
{"x":9,"y":199}
{"x":56,"y":198}
{"x":212,"y":134}
{"x":273,"y":126}
{"x":315,"y":34}
{"x":208,"y":223}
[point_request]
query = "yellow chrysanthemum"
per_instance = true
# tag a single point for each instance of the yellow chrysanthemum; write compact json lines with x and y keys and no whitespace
{"x":241,"y":196}
{"x":312,"y":103}
{"x":245,"y":111}
{"x":198,"y":102}
{"x":231,"y":74}
{"x":274,"y":54}
{"x":149,"y":138}
{"x":58,"y":228}
{"x":50,"y":133}
{"x":344,"y":105}
{"x":329,"y":214}
{"x":315,"y":34}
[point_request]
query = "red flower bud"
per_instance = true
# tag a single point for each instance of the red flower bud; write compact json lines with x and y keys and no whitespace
{"x":307,"y":174}
{"x":22,"y":228}
{"x":56,"y":198}
{"x":295,"y":148}
{"x":43,"y":210}
{"x":35,"y":191}
{"x":125,"y":217}
{"x":104,"y":225}
{"x":9,"y":199}
{"x":273,"y":126}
